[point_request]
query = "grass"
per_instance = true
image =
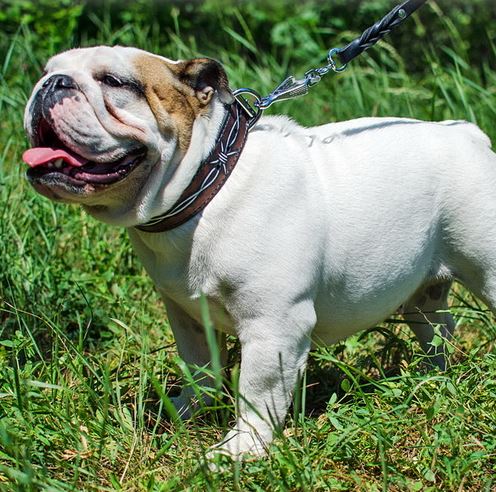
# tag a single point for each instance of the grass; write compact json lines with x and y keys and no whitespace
{"x":87,"y":358}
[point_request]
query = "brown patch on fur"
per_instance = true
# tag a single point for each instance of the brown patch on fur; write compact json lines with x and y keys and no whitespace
{"x":172,"y":102}
{"x":178,"y":93}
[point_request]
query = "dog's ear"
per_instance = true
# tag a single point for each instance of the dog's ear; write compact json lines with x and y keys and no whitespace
{"x":206,"y":77}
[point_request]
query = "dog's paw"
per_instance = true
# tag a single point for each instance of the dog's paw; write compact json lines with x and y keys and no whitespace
{"x":238,"y":446}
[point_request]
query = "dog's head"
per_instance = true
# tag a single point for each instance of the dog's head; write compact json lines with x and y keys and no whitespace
{"x":105,"y":122}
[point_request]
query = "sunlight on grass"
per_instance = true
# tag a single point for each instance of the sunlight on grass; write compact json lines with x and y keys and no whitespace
{"x":88,"y":361}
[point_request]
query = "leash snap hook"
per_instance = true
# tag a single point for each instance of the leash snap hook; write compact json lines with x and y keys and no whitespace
{"x":287,"y":89}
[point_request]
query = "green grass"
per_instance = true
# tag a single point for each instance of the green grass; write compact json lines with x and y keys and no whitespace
{"x":87,"y":357}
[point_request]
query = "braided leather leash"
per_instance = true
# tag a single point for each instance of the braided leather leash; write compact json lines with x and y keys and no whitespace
{"x":292,"y":87}
{"x":380,"y":29}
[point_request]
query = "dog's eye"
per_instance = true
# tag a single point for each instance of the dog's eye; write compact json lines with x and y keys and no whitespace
{"x":111,"y":81}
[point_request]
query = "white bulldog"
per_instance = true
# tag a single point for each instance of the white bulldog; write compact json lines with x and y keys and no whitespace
{"x":318,"y":232}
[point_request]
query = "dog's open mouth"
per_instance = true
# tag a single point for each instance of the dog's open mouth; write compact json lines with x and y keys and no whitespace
{"x":52,"y":157}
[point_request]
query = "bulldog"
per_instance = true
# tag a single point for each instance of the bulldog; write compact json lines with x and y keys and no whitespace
{"x":316,"y":234}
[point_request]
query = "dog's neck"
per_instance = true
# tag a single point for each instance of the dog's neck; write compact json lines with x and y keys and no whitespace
{"x":170,"y":177}
{"x":182,"y":169}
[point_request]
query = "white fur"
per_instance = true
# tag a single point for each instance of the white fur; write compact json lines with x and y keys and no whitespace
{"x":322,"y":232}
{"x":319,"y":233}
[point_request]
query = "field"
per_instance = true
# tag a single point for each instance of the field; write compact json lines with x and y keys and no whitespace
{"x":86,"y":355}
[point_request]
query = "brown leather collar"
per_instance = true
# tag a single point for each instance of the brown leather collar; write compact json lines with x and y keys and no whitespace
{"x":211,"y":175}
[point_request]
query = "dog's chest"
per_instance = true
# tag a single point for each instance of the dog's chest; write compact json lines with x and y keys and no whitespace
{"x":183,"y":273}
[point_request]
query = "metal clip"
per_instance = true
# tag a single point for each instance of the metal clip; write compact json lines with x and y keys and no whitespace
{"x":288,"y":89}
{"x":313,"y":77}
{"x":332,"y":63}
{"x":253,"y":113}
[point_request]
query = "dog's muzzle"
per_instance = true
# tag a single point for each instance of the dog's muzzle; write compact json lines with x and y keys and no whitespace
{"x":56,"y":158}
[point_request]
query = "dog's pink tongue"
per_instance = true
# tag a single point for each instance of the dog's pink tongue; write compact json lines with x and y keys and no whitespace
{"x":38,"y":156}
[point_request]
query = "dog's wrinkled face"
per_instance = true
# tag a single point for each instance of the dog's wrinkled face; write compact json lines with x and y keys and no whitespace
{"x":101,"y":119}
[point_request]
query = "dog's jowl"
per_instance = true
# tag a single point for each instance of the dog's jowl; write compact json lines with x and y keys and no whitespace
{"x":316,"y":234}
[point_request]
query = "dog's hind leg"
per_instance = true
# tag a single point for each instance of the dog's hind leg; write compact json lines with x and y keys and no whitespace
{"x":488,"y":294}
{"x":426,"y":310}
{"x":483,"y":286}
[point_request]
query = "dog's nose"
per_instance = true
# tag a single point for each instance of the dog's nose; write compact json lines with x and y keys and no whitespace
{"x":60,"y":81}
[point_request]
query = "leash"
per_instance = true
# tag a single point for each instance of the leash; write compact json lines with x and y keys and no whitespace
{"x":241,"y":116}
{"x":292,"y":87}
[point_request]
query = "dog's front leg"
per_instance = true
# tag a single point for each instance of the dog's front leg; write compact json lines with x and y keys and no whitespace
{"x":273,"y":353}
{"x":192,"y":347}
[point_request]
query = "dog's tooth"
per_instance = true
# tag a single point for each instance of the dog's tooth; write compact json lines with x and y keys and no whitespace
{"x":58,"y":163}
{"x":50,"y":165}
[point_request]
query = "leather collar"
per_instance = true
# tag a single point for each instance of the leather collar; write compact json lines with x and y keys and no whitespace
{"x":211,"y":175}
